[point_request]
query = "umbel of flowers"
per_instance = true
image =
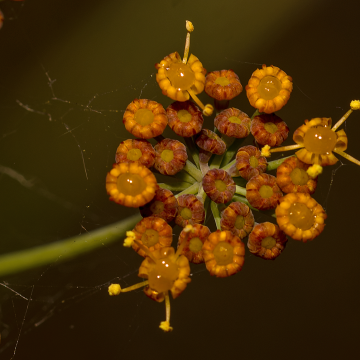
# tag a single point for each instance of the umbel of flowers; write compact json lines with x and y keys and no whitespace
{"x":224,"y":180}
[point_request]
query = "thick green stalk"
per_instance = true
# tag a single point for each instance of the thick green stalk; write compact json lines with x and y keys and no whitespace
{"x":193,"y":171}
{"x":272,"y":165}
{"x":175,"y":187}
{"x":184,"y":176}
{"x":193,"y":150}
{"x":67,"y":249}
{"x":240,"y":190}
{"x":193,"y":189}
{"x":216,"y":214}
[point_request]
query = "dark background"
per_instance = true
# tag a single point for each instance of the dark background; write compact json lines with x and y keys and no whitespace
{"x":102,"y":55}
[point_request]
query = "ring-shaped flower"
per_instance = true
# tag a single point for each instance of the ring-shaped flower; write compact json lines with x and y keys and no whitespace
{"x":222,"y":85}
{"x":269,"y":89}
{"x":249,"y":162}
{"x":170,"y":156}
{"x":185,"y":118}
{"x":233,"y":122}
{"x":195,"y":240}
{"x":266,"y":241}
{"x":300,"y":216}
{"x":262,"y":192}
{"x":237,"y":218}
{"x":219,"y":186}
{"x":132,"y":150}
{"x":190,"y":210}
{"x":319,"y":142}
{"x":291,"y":176}
{"x":223,"y":253}
{"x":145,"y":119}
{"x":269,"y":129}
{"x":163,"y":205}
{"x":176,"y":78}
{"x":153,"y":233}
{"x":131,"y":184}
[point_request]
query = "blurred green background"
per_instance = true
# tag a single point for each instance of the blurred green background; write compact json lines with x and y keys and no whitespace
{"x":77,"y":65}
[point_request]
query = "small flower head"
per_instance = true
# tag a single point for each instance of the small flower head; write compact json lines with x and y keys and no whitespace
{"x":267,"y":241}
{"x":145,"y":119}
{"x":237,"y":218}
{"x":249,"y":162}
{"x":185,"y":118}
{"x":153,"y":233}
{"x":300,"y":216}
{"x":195,"y":240}
{"x":233,"y":122}
{"x":223,"y":253}
{"x":319,"y":142}
{"x":165,"y":271}
{"x":163,"y":205}
{"x":269,"y":129}
{"x":209,"y":141}
{"x":136,"y":150}
{"x":170,"y":156}
{"x":131,"y":184}
{"x":262,"y":192}
{"x":222,"y":85}
{"x":190,"y":211}
{"x":269,"y":89}
{"x":219,"y":186}
{"x":292,"y":176}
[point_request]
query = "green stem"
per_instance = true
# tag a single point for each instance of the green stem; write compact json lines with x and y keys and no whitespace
{"x":233,"y":149}
{"x":175,"y":187}
{"x":272,"y":165}
{"x":240,"y":190}
{"x":229,"y":165}
{"x":243,"y":200}
{"x":202,"y":193}
{"x":193,"y":189}
{"x":193,"y":150}
{"x":191,"y":169}
{"x":182,"y":175}
{"x":216,"y":214}
{"x":65,"y":249}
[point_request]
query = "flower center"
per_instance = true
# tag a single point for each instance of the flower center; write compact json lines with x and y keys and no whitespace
{"x":134,"y":154}
{"x":186,"y":213}
{"x":167,"y":155}
{"x":150,"y":237}
{"x":239,"y":222}
{"x":184,"y":116}
{"x":220,"y":185}
{"x":269,"y":87}
{"x":180,"y":76}
{"x":254,"y":162}
{"x":234,"y":120}
{"x":131,"y":184}
{"x":320,"y":140}
{"x":195,"y":244}
{"x":270,"y":127}
{"x":144,"y":117}
{"x":221,"y":80}
{"x":266,"y":191}
{"x":299,"y":176}
{"x":163,"y":274}
{"x":268,"y":243}
{"x":301,"y":216}
{"x":157,"y":207}
{"x":223,"y":253}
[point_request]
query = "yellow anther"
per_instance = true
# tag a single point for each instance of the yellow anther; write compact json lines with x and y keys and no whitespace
{"x":265,"y":151}
{"x":165,"y":325}
{"x":130,"y":239}
{"x":114,"y":289}
{"x":355,"y":105}
{"x":314,"y":170}
{"x":189,"y":26}
{"x":188,"y":228}
{"x":208,"y":110}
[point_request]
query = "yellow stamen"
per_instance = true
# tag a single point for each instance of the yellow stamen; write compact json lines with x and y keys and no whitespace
{"x":207,"y":110}
{"x":136,"y":286}
{"x":355,"y":105}
{"x":347,"y":156}
{"x":114,"y":289}
{"x":314,"y":170}
{"x":165,"y":325}
{"x":130,"y":239}
{"x":189,"y":28}
{"x":286,"y":148}
{"x":146,"y":250}
{"x":341,"y":120}
{"x":265,"y":151}
{"x":188,"y":229}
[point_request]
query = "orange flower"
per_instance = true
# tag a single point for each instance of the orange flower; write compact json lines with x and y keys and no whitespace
{"x":219,"y":186}
{"x":145,"y":118}
{"x":131,"y":184}
{"x":222,"y":85}
{"x":223,"y":253}
{"x":291,"y":176}
{"x":170,"y":156}
{"x":233,"y":122}
{"x":269,"y":129}
{"x":136,"y":150}
{"x":185,"y":118}
{"x":249,"y":162}
{"x":267,"y":241}
{"x":300,"y":216}
{"x":190,"y":210}
{"x":262,"y":192}
{"x":269,"y":89}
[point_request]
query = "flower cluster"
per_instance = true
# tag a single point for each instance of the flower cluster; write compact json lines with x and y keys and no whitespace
{"x":230,"y":179}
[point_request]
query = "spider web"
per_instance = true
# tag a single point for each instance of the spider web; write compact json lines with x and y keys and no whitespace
{"x":62,"y":106}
